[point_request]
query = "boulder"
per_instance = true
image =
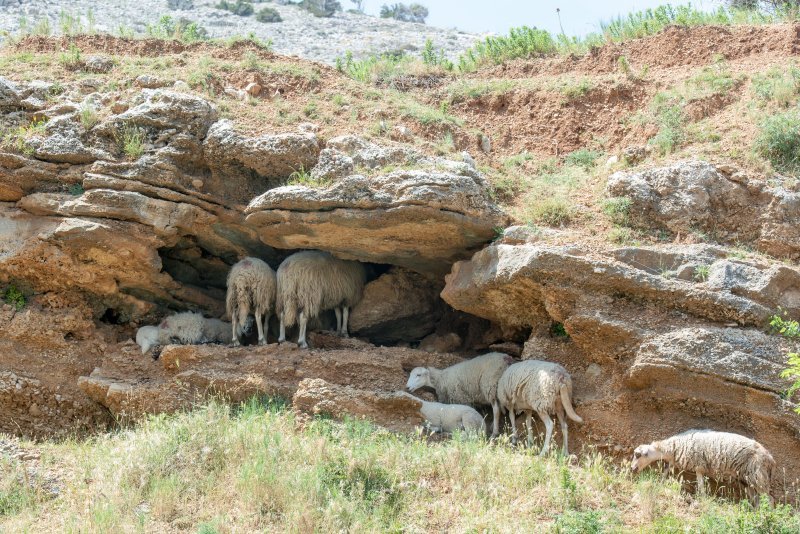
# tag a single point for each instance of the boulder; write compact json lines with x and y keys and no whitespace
{"x":399,"y":306}
{"x":9,"y":94}
{"x":421,"y":220}
{"x":692,"y":196}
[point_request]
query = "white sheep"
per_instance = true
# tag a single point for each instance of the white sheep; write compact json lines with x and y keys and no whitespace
{"x":251,"y":289}
{"x":542,"y":387}
{"x":186,"y":328}
{"x":450,"y":417}
{"x":718,"y":455}
{"x":313,"y":281}
{"x":472,"y":382}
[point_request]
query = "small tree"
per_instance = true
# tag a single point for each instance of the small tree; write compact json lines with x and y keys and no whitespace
{"x":790,"y":330}
{"x":405,"y":12}
{"x":359,"y":5}
{"x":321,"y":8}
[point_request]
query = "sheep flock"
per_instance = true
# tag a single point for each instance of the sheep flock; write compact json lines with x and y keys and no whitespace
{"x":308,"y":283}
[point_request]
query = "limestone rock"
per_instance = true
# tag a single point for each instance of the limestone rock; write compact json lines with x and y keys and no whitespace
{"x":9,"y":95}
{"x":98,"y":64}
{"x":394,"y":411}
{"x":695,"y":195}
{"x":332,"y":166}
{"x":449,"y":342}
{"x":399,"y":306}
{"x":373,"y":219}
{"x":161,"y":109}
{"x":257,"y":162}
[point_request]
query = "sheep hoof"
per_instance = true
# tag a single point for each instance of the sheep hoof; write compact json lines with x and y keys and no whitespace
{"x":236,"y":344}
{"x":262,"y":342}
{"x":303,"y":345}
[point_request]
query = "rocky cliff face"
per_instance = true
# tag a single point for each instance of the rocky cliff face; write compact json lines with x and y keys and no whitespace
{"x":109,"y":225}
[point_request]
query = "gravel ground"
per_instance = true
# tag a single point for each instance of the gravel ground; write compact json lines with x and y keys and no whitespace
{"x":300,"y":33}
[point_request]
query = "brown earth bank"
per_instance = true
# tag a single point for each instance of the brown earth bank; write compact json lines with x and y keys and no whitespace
{"x":113,"y":218}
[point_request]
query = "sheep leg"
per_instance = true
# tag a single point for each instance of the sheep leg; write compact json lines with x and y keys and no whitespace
{"x":262,"y":340}
{"x":701,"y":484}
{"x":496,"y":421}
{"x":512,"y":416}
{"x":529,"y":423}
{"x":282,"y":331}
{"x":301,"y":339}
{"x":548,"y":431}
{"x":345,"y":316}
{"x":338,"y":320}
{"x":235,"y":328}
{"x":564,"y":433}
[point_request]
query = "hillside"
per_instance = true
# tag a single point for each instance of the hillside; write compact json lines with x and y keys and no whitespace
{"x":629,"y":209}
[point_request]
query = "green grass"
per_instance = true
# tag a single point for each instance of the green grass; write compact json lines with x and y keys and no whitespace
{"x":252,"y":468}
{"x":778,"y":141}
{"x":618,"y":209}
{"x":304,"y":178}
{"x":131,"y":140}
{"x":14,"y":297}
{"x":668,"y":115}
{"x":778,"y":86}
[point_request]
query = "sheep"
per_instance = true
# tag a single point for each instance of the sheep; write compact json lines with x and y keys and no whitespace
{"x":186,"y":328}
{"x":719,"y":455}
{"x":471,"y":382}
{"x":543,"y":387}
{"x":450,"y":417}
{"x":313,"y":281}
{"x":251,"y":288}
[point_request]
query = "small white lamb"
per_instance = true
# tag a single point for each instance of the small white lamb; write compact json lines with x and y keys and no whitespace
{"x":718,"y":455}
{"x":471,"y":382}
{"x":542,"y":387}
{"x":450,"y":417}
{"x":186,"y":328}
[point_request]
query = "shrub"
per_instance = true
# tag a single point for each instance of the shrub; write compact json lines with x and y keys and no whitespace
{"x":791,"y":330}
{"x":71,"y":59}
{"x":550,"y":211}
{"x":521,"y":42}
{"x":670,"y":120}
{"x":240,"y":7}
{"x":778,"y":86}
{"x":131,"y":140}
{"x":618,"y":209}
{"x":321,"y":8}
{"x":405,"y":12}
{"x":14,"y":297}
{"x":183,"y":29}
{"x":779,"y":141}
{"x":583,"y":157}
{"x":88,"y":117}
{"x":268,"y":14}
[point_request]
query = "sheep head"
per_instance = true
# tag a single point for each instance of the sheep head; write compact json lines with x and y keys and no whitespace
{"x":419,"y":378}
{"x":643,"y":456}
{"x":147,"y":338}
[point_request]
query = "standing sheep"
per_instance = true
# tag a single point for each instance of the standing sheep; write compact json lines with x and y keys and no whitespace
{"x":186,"y":328}
{"x":450,"y":417}
{"x":311,"y":282}
{"x":543,"y":387}
{"x":471,"y":382}
{"x":719,"y":455}
{"x":251,"y":288}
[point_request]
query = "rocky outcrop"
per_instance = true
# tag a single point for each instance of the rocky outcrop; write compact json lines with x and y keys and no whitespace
{"x":669,"y":334}
{"x":720,"y":202}
{"x":394,"y":411}
{"x":422,"y":220}
{"x":400,"y":305}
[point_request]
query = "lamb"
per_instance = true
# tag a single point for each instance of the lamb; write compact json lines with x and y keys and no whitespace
{"x":186,"y":328}
{"x":719,"y":455}
{"x":543,"y":387}
{"x":472,"y":382}
{"x":313,"y":281}
{"x":251,"y":288}
{"x":450,"y":417}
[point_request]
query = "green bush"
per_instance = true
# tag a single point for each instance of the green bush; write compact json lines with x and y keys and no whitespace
{"x":618,"y":209}
{"x":779,"y":141}
{"x":240,"y":7}
{"x":583,"y":157}
{"x":14,"y":297}
{"x":321,"y":8}
{"x":405,"y":12}
{"x":268,"y":14}
{"x":183,"y":29}
{"x":670,"y":120}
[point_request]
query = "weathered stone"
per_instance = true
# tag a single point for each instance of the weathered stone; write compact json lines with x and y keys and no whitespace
{"x":257,"y":163}
{"x":149,"y":82}
{"x":332,"y":166}
{"x":374,"y":219}
{"x":696,"y":196}
{"x":442,"y":343}
{"x":9,"y":94}
{"x":740,"y":356}
{"x":161,"y":109}
{"x":399,"y":306}
{"x":394,"y":411}
{"x":98,"y":64}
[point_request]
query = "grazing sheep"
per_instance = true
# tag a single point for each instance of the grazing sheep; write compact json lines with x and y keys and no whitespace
{"x":450,"y":417}
{"x":311,"y":282}
{"x":470,"y":382}
{"x":186,"y":328}
{"x":251,"y":288}
{"x":543,"y":387}
{"x":719,"y":455}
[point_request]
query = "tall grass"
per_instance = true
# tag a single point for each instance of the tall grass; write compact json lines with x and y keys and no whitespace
{"x":252,"y":468}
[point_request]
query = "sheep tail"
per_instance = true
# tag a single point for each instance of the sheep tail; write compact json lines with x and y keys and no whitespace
{"x":567,"y":402}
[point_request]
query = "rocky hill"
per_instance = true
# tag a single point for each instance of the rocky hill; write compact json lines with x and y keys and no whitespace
{"x":606,"y":214}
{"x":299,"y":32}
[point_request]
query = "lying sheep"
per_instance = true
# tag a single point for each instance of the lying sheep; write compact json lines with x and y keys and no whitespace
{"x":541,"y":387}
{"x":311,"y":282}
{"x":251,"y":289}
{"x":186,"y":328}
{"x":450,"y":417}
{"x":719,"y":455}
{"x":472,"y":382}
